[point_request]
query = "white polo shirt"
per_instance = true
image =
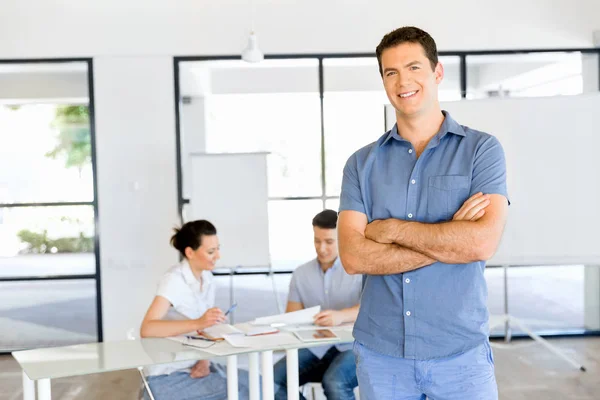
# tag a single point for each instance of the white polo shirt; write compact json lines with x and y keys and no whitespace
{"x":189,"y":300}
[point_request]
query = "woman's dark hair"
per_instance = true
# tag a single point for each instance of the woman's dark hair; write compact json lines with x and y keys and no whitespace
{"x":190,"y":235}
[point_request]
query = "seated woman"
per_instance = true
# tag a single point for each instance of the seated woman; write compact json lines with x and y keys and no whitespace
{"x":184,"y":303}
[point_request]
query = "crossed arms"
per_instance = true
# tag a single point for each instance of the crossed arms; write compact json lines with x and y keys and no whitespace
{"x":395,"y":246}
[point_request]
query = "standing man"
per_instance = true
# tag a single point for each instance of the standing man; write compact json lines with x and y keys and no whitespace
{"x":323,"y":282}
{"x":421,"y":209}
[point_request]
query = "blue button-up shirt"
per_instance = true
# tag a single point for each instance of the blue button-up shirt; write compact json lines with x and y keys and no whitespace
{"x":439,"y":310}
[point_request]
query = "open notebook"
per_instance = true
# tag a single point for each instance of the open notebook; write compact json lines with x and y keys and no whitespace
{"x":218,"y":332}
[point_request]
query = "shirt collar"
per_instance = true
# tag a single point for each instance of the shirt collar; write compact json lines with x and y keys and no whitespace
{"x":336,"y":264}
{"x":189,"y":276}
{"x":448,"y":126}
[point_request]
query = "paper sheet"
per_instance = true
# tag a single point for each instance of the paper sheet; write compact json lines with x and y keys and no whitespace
{"x":252,"y":330}
{"x":220,"y":330}
{"x":201,"y":344}
{"x":268,"y":341}
{"x":302,"y":317}
{"x":309,"y":327}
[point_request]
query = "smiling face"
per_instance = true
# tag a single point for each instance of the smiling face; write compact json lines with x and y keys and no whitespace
{"x":410,"y":82}
{"x":206,"y":256}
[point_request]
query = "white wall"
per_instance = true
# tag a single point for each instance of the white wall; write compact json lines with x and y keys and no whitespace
{"x":136,"y":184}
{"x":67,"y":28}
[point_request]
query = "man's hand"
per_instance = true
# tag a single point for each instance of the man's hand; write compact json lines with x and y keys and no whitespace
{"x":473,"y":208}
{"x":328,"y":318}
{"x":377,"y":231}
{"x":200,"y":369}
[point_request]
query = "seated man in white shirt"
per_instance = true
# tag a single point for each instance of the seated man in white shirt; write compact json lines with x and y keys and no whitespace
{"x":323,"y":281}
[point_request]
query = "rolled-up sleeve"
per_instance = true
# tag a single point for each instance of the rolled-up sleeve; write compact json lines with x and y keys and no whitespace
{"x":489,"y":169}
{"x":351,"y":196}
{"x":294,"y":294}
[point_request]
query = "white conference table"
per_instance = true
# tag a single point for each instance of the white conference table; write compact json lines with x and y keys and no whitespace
{"x":41,"y":365}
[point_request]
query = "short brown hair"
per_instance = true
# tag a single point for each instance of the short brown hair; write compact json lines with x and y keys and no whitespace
{"x":326,"y":219}
{"x":408,"y":34}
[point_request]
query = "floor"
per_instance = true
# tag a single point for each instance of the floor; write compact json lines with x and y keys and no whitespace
{"x":525,"y":371}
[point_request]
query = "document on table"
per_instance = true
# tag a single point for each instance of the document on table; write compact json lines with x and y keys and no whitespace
{"x":253,"y":330}
{"x":301,"y":317}
{"x":199,"y":343}
{"x":221,"y":348}
{"x":219,"y":331}
{"x":261,"y":341}
{"x":311,"y":327}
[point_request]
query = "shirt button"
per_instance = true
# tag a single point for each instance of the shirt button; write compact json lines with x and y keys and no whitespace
{"x":409,"y":215}
{"x":410,"y":150}
{"x":413,"y":181}
{"x":408,"y":313}
{"x":407,"y":280}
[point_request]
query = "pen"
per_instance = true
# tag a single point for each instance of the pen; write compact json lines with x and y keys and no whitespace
{"x":233,"y":306}
{"x":199,"y":338}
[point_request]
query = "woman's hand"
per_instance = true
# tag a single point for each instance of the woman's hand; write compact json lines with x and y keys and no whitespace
{"x":211,"y":317}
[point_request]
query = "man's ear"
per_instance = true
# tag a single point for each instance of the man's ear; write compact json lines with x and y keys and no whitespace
{"x":439,"y":73}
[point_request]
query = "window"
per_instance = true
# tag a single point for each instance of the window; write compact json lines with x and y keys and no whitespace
{"x":273,"y":107}
{"x":528,"y":75}
{"x":544,"y":298}
{"x":287,"y":125}
{"x":49,"y":145}
{"x":47,"y":241}
{"x":47,"y":206}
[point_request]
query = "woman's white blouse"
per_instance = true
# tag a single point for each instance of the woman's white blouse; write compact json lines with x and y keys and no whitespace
{"x":189,"y":300}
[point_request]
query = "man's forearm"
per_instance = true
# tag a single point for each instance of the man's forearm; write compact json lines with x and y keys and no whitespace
{"x":350,"y":314}
{"x":454,"y":242}
{"x":360,"y":255}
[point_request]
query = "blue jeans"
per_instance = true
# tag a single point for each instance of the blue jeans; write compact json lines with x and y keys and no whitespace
{"x":466,"y":376}
{"x":336,"y":371}
{"x":181,"y":386}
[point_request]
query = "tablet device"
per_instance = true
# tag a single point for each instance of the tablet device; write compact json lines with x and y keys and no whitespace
{"x":316,"y":335}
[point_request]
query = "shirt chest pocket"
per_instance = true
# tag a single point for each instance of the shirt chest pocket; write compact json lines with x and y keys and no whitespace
{"x":445,"y":195}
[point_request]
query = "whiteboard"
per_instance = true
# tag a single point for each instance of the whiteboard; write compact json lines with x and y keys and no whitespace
{"x":552,"y":148}
{"x":230,"y":190}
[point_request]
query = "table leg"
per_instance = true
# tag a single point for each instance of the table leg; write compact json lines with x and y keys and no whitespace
{"x":28,"y":388}
{"x":267,"y":375}
{"x":232,"y":378}
{"x":43,"y":389}
{"x":254,"y":376}
{"x":293,"y":388}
